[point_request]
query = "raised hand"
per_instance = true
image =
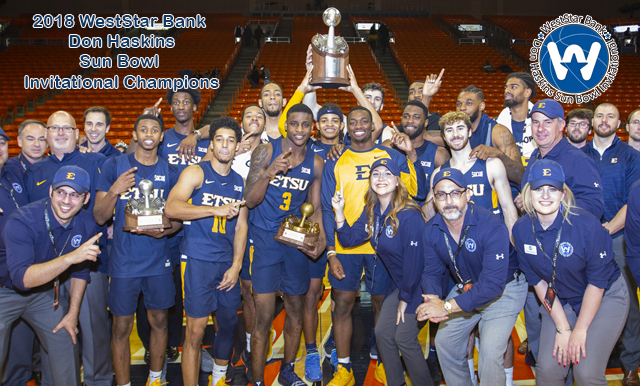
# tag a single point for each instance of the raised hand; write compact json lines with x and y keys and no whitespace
{"x":155,"y":109}
{"x":280,"y":165}
{"x":432,"y":84}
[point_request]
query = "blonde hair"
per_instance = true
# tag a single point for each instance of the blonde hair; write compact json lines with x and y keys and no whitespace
{"x":401,"y":201}
{"x":568,"y":202}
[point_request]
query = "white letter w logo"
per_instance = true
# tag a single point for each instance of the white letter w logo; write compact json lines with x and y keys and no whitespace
{"x":569,"y":53}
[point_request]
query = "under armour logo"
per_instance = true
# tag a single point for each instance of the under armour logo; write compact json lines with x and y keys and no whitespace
{"x":500,"y":256}
{"x":596,"y":184}
{"x":603,"y":254}
{"x":414,"y":243}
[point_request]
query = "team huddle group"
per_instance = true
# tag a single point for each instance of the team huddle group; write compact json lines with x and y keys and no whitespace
{"x":458,"y":221}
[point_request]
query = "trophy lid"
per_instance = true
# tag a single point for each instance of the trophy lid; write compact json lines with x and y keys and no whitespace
{"x":331,"y":17}
{"x":145,"y":187}
{"x":320,"y":42}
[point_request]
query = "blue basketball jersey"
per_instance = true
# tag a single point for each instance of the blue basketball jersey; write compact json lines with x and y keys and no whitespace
{"x":171,"y":141}
{"x":137,"y":255}
{"x":285,"y":193}
{"x":482,"y":194}
{"x":211,"y":238}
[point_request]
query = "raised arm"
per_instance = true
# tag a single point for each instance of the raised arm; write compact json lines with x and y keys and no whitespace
{"x":258,"y":178}
{"x":362,"y":100}
{"x":505,"y":148}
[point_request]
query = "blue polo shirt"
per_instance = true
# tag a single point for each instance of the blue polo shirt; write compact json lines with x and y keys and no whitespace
{"x":109,"y":151}
{"x":619,"y":168}
{"x":484,"y":258}
{"x":585,"y":255}
{"x":18,"y":165}
{"x":38,"y":180}
{"x":401,"y":252}
{"x":25,"y":241}
{"x":12,"y":193}
{"x":632,"y":231}
{"x":581,"y":175}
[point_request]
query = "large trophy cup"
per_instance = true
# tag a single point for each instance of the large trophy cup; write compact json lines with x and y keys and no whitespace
{"x":298,"y":232}
{"x":146,"y":212}
{"x":330,"y":55}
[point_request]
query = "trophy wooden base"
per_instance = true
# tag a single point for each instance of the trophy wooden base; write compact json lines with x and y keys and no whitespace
{"x":330,"y":82}
{"x":294,"y":238}
{"x":144,"y":222}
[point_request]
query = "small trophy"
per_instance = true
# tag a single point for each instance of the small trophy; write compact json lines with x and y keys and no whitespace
{"x":296,"y":232}
{"x":330,"y":55}
{"x":146,"y":212}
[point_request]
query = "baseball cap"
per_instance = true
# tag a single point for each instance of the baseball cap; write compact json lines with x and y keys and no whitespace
{"x":72,"y":176}
{"x":454,"y":175}
{"x":3,"y":134}
{"x":546,"y":172}
{"x":389,"y":164}
{"x":549,"y":107}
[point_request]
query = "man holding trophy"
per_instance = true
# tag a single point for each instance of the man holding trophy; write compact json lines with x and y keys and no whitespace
{"x":140,"y":260}
{"x":283,"y":175}
{"x":208,"y":198}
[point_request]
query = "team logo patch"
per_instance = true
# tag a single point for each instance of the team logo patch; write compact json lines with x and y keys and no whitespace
{"x":76,"y":240}
{"x":477,"y":174}
{"x":565,"y":249}
{"x":574,"y":59}
{"x":237,"y":188}
{"x":17,"y":187}
{"x":202,"y":149}
{"x":470,"y":244}
{"x":426,"y":164}
{"x":614,"y":160}
{"x":158,"y":178}
{"x":306,"y":170}
{"x":389,"y":231}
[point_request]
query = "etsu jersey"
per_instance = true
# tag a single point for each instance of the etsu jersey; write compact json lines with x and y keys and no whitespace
{"x":482,"y":194}
{"x":137,"y":255}
{"x":427,"y":158}
{"x":285,"y":193}
{"x":211,"y":238}
{"x":171,"y":141}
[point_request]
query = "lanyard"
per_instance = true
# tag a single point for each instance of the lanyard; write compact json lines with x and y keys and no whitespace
{"x":555,"y":250}
{"x":452,"y":256}
{"x":56,"y":282}
{"x":375,"y":248}
{"x":24,"y":167}
{"x":11,"y":194}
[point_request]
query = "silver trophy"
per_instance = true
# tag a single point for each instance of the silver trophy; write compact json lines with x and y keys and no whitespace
{"x":146,"y":211}
{"x":330,"y":55}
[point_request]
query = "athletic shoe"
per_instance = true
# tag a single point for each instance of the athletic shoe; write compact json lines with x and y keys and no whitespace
{"x":272,"y":339}
{"x":157,"y":382}
{"x":380,"y":374}
{"x":221,"y":382}
{"x":342,"y":377}
{"x":373,"y":352}
{"x":246,"y":359}
{"x":434,"y":370}
{"x":229,"y":375}
{"x":206,"y":361}
{"x":312,"y":369}
{"x":330,"y":344}
{"x":172,"y":354}
{"x":288,"y":376}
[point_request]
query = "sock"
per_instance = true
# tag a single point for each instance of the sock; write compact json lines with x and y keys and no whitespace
{"x":283,"y":364}
{"x":153,"y":375}
{"x":432,"y":352}
{"x":128,"y":384}
{"x":345,"y":362}
{"x":218,"y":373}
{"x":509,"y":373}
{"x":248,"y":342}
{"x":311,"y":348}
{"x":478,"y":343}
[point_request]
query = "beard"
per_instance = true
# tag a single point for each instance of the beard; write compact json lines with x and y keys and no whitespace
{"x":474,"y":116}
{"x":451,"y":216}
{"x":577,"y":139}
{"x":458,"y":147}
{"x":415,"y":134}
{"x":273,"y":113}
{"x":512,"y":102}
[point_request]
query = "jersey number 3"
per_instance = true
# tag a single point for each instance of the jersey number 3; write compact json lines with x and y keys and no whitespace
{"x":287,"y":201}
{"x":219,"y":225}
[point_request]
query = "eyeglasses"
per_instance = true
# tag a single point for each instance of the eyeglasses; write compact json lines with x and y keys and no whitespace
{"x":66,"y":129}
{"x":61,"y":194}
{"x":582,"y":125}
{"x":454,"y":194}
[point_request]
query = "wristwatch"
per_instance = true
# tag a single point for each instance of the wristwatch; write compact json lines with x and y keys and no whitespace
{"x":198,"y":133}
{"x":447,"y":306}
